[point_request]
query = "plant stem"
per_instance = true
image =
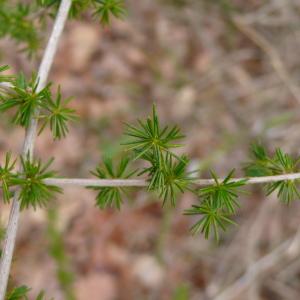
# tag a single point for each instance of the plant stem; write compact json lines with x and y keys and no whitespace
{"x":143,"y":182}
{"x":28,"y":145}
{"x":285,"y":252}
{"x":165,"y":227}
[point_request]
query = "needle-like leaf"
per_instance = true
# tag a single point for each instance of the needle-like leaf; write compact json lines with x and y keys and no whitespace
{"x":217,"y":203}
{"x":25,"y":98}
{"x":34,"y":192}
{"x":149,"y":138}
{"x":19,"y":293}
{"x":280,"y":163}
{"x":57,"y":115}
{"x":259,"y":165}
{"x":7,"y":177}
{"x":212,"y":219}
{"x":111,"y":196}
{"x":3,"y":77}
{"x":222,"y":195}
{"x":107,"y":8}
{"x":168,"y":176}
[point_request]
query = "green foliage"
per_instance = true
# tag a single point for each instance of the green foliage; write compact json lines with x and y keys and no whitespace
{"x":47,"y":3}
{"x":102,"y":9}
{"x":280,"y":163}
{"x":3,"y":77}
{"x":7,"y":177}
{"x":41,"y":296}
{"x":165,"y":171}
{"x":260,"y":163}
{"x":148,"y":138}
{"x":212,"y":219}
{"x":153,"y":143}
{"x":57,"y":251}
{"x":77,"y":8}
{"x":21,"y":293}
{"x":17,"y":21}
{"x":287,"y":190}
{"x":222,"y":195}
{"x":168,"y":176}
{"x":25,"y":99}
{"x":107,"y":8}
{"x":111,"y":196}
{"x":218,"y":204}
{"x":24,"y":22}
{"x":57,"y":115}
{"x":34,"y":192}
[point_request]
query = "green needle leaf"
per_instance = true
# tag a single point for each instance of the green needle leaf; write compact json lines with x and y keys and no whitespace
{"x":111,"y":196}
{"x":7,"y":177}
{"x":217,"y":203}
{"x":149,"y":138}
{"x":5,"y":78}
{"x":24,"y":98}
{"x":34,"y":192}
{"x":19,"y":293}
{"x":281,"y":163}
{"x":212,"y":219}
{"x":107,"y":8}
{"x":168,"y":176}
{"x":57,"y":115}
{"x":222,"y":195}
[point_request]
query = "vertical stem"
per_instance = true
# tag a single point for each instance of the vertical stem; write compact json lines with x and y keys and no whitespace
{"x":28,"y":145}
{"x":64,"y":274}
{"x":165,"y":227}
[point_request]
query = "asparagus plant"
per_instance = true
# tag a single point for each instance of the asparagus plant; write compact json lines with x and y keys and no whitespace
{"x":35,"y":107}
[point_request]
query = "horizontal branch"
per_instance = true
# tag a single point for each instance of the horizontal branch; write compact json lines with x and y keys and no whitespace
{"x":143,"y":182}
{"x":95,"y":182}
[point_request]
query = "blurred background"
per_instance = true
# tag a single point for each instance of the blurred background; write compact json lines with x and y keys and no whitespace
{"x":227,"y":72}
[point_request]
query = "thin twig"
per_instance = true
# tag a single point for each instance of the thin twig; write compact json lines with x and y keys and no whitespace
{"x":143,"y":182}
{"x":287,"y":250}
{"x":275,"y":58}
{"x":28,"y":145}
{"x":252,"y":241}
